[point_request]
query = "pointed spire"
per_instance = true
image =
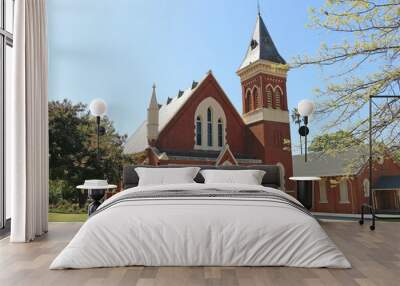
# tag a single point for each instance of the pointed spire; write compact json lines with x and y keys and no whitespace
{"x":258,"y":8}
{"x":261,"y":46}
{"x":152,"y":118}
{"x":153,"y":99}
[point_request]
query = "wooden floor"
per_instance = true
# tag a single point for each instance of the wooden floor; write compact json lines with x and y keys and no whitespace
{"x":375,"y":257}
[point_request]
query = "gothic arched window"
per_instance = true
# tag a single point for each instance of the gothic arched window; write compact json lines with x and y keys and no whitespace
{"x":248,"y":101}
{"x":278,"y":95}
{"x":209,"y":127}
{"x":220,"y":133}
{"x":256,"y":98}
{"x":269,"y":96}
{"x":209,"y":124}
{"x":198,"y":131}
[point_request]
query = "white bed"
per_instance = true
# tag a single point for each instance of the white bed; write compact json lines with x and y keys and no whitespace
{"x":202,"y":231}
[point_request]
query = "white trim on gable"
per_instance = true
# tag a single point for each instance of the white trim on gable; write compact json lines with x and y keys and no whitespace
{"x":222,"y":153}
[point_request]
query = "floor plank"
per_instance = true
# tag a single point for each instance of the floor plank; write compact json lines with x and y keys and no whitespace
{"x":375,"y":257}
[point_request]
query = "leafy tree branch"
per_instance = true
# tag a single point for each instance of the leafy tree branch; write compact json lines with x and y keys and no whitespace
{"x":365,"y":62}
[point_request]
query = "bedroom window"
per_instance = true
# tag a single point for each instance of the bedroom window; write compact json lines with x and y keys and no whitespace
{"x":209,"y":127}
{"x":220,"y":133}
{"x":344,"y":192}
{"x":278,"y":94}
{"x":322,"y":192}
{"x":198,"y":131}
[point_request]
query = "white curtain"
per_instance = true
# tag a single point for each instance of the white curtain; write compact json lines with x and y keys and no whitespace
{"x":27,"y":123}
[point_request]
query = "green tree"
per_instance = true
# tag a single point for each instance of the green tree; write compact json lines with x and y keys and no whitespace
{"x":297,"y":120}
{"x":72,"y":148}
{"x":340,"y":140}
{"x":361,"y":61}
{"x":397,"y":155}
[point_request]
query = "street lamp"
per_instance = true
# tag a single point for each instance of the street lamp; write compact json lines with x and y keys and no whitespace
{"x":98,"y":108}
{"x":306,"y":108}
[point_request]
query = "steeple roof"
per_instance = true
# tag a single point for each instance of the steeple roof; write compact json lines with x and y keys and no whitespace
{"x":153,"y":100}
{"x":261,"y":46}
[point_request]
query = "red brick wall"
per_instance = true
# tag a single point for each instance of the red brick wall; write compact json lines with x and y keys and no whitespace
{"x":250,"y":83}
{"x":179,"y":133}
{"x":388,"y":168}
{"x":262,"y":81}
{"x":265,"y":139}
{"x":355,"y":188}
{"x":333,"y":196}
{"x":275,"y":81}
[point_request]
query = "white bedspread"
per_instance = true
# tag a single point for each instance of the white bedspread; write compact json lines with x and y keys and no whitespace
{"x":200,"y":231}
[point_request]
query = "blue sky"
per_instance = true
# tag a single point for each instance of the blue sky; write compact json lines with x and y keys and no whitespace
{"x":116,"y":49}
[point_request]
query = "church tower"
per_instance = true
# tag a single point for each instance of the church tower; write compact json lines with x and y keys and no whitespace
{"x":152,"y":118}
{"x":263,"y":75}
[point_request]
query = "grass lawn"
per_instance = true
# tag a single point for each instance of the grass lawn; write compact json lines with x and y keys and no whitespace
{"x":60,"y":217}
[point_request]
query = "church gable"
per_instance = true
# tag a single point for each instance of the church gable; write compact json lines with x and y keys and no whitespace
{"x":208,"y":104}
{"x":226,"y":157}
{"x":139,"y":140}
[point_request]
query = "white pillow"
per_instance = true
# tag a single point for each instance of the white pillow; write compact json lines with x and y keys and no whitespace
{"x":248,"y":177}
{"x":166,"y":176}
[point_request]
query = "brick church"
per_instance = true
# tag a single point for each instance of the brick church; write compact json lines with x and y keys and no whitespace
{"x":201,"y":126}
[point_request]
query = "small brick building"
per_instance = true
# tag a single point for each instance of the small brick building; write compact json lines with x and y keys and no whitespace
{"x":345,"y":181}
{"x":200,"y":125}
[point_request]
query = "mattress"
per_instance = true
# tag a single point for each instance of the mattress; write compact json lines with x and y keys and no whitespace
{"x":201,"y":225}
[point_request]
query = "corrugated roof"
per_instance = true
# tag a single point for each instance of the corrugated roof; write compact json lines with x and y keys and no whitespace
{"x":387,"y":183}
{"x":261,"y":46}
{"x":323,"y":165}
{"x":137,"y":142}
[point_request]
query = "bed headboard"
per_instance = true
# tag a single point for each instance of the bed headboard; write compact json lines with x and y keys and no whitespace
{"x":271,"y":178}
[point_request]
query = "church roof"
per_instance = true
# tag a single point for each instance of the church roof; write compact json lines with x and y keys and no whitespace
{"x":261,"y":46}
{"x":137,"y":142}
{"x":153,"y":99}
{"x":206,"y":155}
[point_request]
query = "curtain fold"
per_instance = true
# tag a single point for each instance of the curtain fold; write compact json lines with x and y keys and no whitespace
{"x":28,"y":123}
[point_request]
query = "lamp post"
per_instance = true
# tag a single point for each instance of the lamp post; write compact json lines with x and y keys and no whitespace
{"x":370,"y":205}
{"x":296,"y":119}
{"x":306,"y":108}
{"x":98,"y":108}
